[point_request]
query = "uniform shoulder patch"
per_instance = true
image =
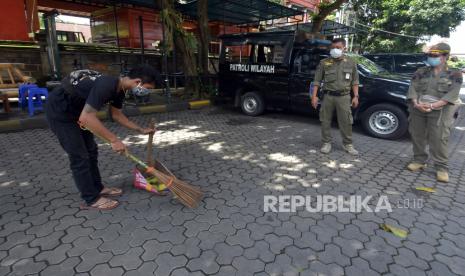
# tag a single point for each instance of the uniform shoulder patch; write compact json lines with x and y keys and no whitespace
{"x":456,"y":75}
{"x":327,"y":61}
{"x":420,"y":73}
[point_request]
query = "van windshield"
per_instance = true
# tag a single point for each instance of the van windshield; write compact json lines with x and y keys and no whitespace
{"x":367,"y":66}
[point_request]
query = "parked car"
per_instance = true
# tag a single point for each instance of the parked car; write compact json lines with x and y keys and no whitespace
{"x":275,"y":69}
{"x":405,"y":64}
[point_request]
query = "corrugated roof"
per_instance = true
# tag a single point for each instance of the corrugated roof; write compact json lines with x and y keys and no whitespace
{"x":240,"y":11}
{"x":329,"y":28}
{"x":228,"y":11}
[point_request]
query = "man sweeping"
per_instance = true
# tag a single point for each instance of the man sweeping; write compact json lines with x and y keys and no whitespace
{"x":76,"y":101}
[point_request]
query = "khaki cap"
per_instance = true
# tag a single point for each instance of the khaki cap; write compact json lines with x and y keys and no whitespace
{"x":440,"y":48}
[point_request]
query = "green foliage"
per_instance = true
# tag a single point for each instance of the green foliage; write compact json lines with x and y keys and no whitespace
{"x":331,"y":17}
{"x":457,"y":63}
{"x":324,"y":5}
{"x":410,"y":17}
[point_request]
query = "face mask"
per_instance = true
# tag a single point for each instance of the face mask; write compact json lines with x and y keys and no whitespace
{"x":335,"y":53}
{"x":140,"y":91}
{"x":434,"y":61}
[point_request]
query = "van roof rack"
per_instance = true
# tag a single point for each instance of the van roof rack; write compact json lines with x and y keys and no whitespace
{"x":329,"y":28}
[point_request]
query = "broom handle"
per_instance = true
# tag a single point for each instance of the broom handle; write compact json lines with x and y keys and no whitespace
{"x":127,"y":154}
{"x":137,"y":160}
{"x":150,"y":145}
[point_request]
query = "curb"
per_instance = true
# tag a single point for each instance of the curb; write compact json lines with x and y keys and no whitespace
{"x":130,"y":111}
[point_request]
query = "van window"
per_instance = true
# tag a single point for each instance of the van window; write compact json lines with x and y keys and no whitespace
{"x":409,"y":64}
{"x":368,"y":66}
{"x":279,"y":54}
{"x":237,"y":54}
{"x":384,"y":61}
{"x":262,"y":54}
{"x":305,"y":62}
{"x":267,"y":54}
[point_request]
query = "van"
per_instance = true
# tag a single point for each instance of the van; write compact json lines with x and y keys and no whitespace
{"x":275,"y":70}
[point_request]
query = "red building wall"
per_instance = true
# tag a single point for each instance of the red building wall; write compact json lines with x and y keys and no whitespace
{"x":103,"y":27}
{"x":13,"y":21}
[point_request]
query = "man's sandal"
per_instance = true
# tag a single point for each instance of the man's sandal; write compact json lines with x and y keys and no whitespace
{"x":111,"y":191}
{"x":102,"y":203}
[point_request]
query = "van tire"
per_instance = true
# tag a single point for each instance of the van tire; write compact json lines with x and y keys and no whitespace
{"x":385,"y":121}
{"x":252,"y":104}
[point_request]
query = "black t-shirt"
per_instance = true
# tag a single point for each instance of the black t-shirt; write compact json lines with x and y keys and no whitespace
{"x":66,"y":102}
{"x":100,"y":92}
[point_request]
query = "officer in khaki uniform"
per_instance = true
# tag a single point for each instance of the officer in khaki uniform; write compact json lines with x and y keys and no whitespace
{"x":434,"y":98}
{"x":339,"y":75}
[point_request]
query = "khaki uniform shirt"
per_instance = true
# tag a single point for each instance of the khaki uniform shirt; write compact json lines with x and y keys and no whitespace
{"x":445,"y":86}
{"x":337,"y":74}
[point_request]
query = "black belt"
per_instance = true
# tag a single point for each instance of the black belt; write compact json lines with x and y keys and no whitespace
{"x":337,"y":93}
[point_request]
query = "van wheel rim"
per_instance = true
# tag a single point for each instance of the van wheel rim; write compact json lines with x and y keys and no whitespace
{"x":384,"y":122}
{"x":250,"y":104}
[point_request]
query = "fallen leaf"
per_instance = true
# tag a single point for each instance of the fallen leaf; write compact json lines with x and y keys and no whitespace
{"x":426,"y":189}
{"x":394,"y":230}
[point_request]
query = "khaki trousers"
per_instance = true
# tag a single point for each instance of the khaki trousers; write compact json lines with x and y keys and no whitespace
{"x":431,"y":129}
{"x":342,"y":105}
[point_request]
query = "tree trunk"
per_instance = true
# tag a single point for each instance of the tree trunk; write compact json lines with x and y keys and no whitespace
{"x":192,"y":85}
{"x":185,"y":43}
{"x":204,"y":35}
{"x":324,"y":9}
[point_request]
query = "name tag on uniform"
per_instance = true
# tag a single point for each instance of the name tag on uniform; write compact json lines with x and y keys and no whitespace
{"x":347,"y":76}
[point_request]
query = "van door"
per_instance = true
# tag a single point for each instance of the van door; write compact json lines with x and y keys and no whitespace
{"x":274,"y":82}
{"x":304,"y":64}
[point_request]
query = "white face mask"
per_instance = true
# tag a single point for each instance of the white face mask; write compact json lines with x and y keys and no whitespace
{"x":335,"y":53}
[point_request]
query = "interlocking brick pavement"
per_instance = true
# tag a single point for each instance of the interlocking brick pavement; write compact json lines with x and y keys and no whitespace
{"x":236,"y":160}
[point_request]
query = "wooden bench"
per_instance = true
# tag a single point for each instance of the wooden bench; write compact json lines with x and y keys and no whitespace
{"x":6,"y":95}
{"x":11,"y":77}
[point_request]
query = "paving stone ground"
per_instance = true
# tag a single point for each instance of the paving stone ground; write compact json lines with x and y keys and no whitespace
{"x":236,"y":160}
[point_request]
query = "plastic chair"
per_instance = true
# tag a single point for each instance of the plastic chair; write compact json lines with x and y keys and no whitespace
{"x":34,"y":99}
{"x":22,"y":94}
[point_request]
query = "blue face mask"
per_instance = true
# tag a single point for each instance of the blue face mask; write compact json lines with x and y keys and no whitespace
{"x":140,"y":91}
{"x":433,"y":61}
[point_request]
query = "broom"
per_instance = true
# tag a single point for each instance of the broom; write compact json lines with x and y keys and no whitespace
{"x":188,"y":195}
{"x":151,"y":183}
{"x":150,"y":145}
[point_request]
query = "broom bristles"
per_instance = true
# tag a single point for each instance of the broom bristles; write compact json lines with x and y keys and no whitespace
{"x":187,"y":194}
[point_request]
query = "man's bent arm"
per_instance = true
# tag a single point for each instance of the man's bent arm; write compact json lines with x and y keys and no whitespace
{"x":119,"y":117}
{"x":317,"y":79}
{"x":315,"y":91}
{"x":355,"y":80}
{"x":355,"y":90}
{"x":89,"y":120}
